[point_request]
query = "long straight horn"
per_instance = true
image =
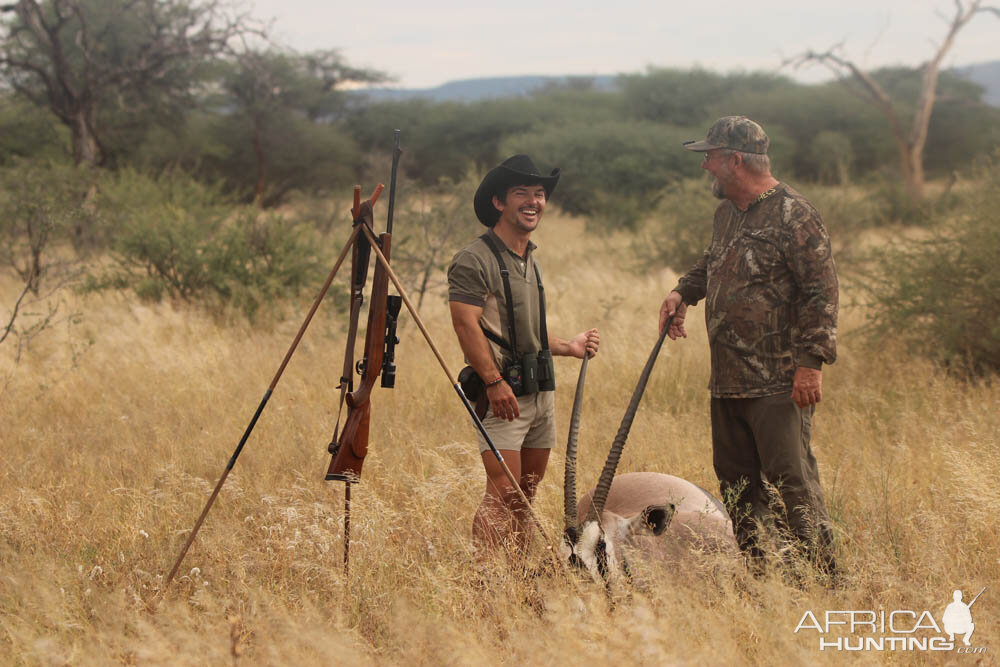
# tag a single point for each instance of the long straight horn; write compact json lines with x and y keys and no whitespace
{"x":608,"y":474}
{"x":569,"y":483}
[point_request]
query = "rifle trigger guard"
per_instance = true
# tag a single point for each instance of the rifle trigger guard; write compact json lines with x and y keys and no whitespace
{"x":359,"y":367}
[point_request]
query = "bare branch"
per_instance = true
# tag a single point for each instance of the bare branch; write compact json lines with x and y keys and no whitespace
{"x":13,"y":314}
{"x":841,"y":66}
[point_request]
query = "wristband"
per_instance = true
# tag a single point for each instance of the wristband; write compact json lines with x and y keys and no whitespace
{"x":494,"y":382}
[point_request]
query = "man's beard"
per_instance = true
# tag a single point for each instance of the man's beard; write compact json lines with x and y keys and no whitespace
{"x":717,"y":191}
{"x":517,"y":223}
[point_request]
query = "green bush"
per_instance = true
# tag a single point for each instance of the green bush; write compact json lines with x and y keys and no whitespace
{"x":891,"y":204}
{"x":41,"y":209}
{"x":681,"y":228}
{"x":27,"y":132}
{"x":611,"y":171}
{"x":941,"y":294}
{"x":177,"y":238}
{"x":832,"y":154}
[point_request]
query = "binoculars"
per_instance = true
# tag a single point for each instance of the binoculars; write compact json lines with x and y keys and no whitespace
{"x":533,"y":373}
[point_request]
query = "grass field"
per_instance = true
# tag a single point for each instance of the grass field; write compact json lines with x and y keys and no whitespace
{"x":115,"y":429}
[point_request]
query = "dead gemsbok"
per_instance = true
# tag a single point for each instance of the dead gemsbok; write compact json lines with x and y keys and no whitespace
{"x":639,"y":515}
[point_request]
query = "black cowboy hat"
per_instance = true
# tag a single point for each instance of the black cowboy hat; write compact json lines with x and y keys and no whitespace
{"x":515,"y":170}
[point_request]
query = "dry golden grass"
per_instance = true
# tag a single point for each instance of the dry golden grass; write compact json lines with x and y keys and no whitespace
{"x":114,"y":432}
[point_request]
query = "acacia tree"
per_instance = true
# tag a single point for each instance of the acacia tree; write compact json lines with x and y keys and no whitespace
{"x":909,"y":143}
{"x":39,"y":203}
{"x":287,"y":102}
{"x":86,"y":59}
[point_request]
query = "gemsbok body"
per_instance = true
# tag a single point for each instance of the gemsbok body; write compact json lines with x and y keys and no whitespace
{"x":653,"y":517}
{"x":636,"y":517}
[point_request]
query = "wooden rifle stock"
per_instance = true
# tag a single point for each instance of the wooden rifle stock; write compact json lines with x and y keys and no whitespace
{"x":349,"y":454}
{"x":353,"y":447}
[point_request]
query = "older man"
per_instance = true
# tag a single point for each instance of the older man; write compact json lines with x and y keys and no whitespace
{"x":498,"y":311}
{"x":770,"y":289}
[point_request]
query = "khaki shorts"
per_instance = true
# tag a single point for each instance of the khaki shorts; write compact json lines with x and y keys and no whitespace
{"x":534,"y":429}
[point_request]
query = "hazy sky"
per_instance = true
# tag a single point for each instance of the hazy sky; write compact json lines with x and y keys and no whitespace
{"x":423,"y":44}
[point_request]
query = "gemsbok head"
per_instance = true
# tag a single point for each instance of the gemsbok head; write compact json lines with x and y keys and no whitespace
{"x":635,"y":516}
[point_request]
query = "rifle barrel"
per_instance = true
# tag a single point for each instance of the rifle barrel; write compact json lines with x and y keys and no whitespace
{"x":396,"y":152}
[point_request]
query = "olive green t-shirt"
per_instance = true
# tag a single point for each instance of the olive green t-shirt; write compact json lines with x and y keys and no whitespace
{"x":474,"y":278}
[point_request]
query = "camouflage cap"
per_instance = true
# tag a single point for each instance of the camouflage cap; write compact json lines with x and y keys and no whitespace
{"x":738,"y":133}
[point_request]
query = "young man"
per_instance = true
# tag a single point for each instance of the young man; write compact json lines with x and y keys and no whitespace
{"x":501,"y":328}
{"x":770,"y":290}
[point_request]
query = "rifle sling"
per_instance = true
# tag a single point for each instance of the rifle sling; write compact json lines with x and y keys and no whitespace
{"x":359,"y":276}
{"x":347,"y":380}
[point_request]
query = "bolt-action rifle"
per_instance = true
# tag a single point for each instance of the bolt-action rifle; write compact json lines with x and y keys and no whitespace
{"x":350,"y":448}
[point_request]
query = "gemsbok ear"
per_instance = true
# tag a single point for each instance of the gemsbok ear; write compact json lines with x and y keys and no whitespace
{"x":654,"y":519}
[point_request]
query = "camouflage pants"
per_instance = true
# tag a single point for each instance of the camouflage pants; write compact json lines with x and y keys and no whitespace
{"x":767,"y":438}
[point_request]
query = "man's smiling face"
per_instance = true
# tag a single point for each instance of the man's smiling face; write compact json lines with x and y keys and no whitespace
{"x":522,"y":206}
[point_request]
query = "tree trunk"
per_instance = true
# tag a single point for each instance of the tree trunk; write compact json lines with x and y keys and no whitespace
{"x":913,"y":171}
{"x":86,"y":155}
{"x":86,"y":151}
{"x":911,"y":164}
{"x":258,"y":151}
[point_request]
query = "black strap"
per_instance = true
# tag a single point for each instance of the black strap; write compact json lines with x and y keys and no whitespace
{"x":511,"y":329}
{"x":541,"y":310}
{"x":505,"y":276}
{"x":496,"y":339}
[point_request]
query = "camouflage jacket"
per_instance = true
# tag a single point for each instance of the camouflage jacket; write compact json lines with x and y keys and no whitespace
{"x":770,"y":286}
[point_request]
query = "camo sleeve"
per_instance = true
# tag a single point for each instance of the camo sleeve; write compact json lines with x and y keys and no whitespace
{"x":810,"y":260}
{"x":693,"y":285}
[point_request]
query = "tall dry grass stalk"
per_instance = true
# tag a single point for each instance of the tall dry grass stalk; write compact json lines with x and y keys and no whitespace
{"x":108,"y":456}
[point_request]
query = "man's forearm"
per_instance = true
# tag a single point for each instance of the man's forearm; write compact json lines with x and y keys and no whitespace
{"x":477,"y":350}
{"x":559,"y":347}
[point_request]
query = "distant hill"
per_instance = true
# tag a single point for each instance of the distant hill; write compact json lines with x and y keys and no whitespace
{"x":470,"y":90}
{"x":986,"y":75}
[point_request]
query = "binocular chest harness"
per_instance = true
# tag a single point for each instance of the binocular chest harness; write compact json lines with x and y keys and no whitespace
{"x":533,"y":371}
